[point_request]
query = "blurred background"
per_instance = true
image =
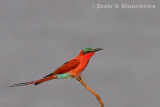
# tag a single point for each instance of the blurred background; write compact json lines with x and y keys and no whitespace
{"x":38,"y":36}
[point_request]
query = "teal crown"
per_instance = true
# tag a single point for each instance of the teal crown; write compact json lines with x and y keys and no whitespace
{"x":88,"y":49}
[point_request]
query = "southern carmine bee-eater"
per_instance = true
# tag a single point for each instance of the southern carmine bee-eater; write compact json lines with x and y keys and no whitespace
{"x":70,"y":69}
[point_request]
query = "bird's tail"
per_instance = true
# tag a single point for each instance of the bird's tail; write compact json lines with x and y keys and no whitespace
{"x":36,"y":82}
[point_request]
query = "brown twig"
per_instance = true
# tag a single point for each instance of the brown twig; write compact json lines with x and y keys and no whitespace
{"x":79,"y":78}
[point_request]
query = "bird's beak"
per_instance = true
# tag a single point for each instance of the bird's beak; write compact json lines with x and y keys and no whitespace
{"x":97,"y":49}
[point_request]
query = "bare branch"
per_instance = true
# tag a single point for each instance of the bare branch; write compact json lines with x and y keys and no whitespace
{"x":79,"y":78}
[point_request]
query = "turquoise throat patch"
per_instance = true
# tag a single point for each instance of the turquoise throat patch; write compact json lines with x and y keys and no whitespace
{"x":63,"y":76}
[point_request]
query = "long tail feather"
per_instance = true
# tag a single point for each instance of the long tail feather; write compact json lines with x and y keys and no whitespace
{"x":44,"y":79}
{"x":22,"y":84}
{"x":36,"y":82}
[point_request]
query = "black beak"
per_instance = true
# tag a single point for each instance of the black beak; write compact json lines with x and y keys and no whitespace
{"x":97,"y":49}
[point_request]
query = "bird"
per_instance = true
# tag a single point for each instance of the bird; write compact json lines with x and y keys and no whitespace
{"x":70,"y":69}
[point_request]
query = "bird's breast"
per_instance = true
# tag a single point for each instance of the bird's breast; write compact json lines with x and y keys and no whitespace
{"x":77,"y":71}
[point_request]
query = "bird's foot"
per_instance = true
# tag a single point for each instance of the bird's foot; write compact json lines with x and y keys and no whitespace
{"x":79,"y":77}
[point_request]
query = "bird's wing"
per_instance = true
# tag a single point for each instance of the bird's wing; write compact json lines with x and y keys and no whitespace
{"x":72,"y":64}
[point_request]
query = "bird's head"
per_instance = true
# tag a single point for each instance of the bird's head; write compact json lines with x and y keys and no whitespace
{"x":90,"y":50}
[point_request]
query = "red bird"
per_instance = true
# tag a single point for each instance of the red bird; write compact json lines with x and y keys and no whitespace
{"x":70,"y":69}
